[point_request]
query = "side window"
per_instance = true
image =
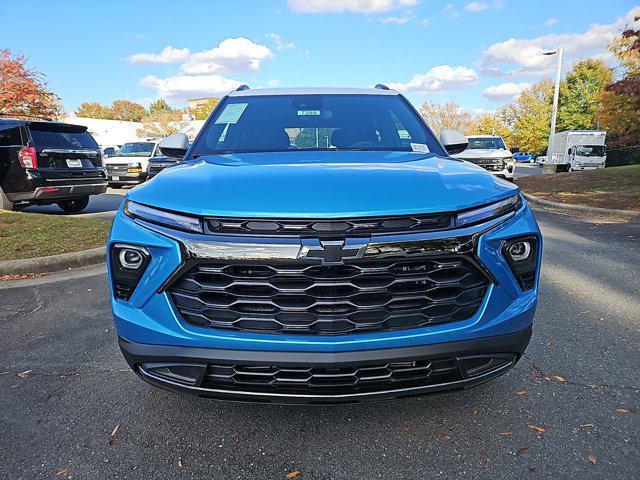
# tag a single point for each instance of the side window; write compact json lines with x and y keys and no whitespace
{"x":10,"y":136}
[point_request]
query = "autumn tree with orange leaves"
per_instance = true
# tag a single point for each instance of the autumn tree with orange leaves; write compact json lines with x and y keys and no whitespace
{"x":23,"y":91}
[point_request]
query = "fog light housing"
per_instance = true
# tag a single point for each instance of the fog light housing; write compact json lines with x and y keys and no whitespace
{"x":128,"y":264}
{"x":521,"y":254}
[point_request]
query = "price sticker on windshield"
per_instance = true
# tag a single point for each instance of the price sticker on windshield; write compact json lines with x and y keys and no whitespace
{"x":308,"y":113}
{"x":232,"y":113}
{"x":419,"y":148}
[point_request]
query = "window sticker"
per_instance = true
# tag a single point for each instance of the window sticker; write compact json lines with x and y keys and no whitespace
{"x":419,"y":148}
{"x":231,"y":113}
{"x":308,"y":113}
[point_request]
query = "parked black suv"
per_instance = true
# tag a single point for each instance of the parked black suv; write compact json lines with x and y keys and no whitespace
{"x":45,"y":162}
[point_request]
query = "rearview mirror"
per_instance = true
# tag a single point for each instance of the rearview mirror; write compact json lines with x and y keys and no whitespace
{"x":175,"y":145}
{"x":453,"y":142}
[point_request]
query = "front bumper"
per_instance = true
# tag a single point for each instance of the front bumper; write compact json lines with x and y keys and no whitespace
{"x":185,"y":369}
{"x":154,"y":331}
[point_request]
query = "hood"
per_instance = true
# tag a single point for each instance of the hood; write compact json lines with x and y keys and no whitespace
{"x":483,"y":153}
{"x":321,"y":185}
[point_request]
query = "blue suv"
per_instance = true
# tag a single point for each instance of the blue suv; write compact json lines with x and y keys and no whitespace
{"x":321,"y":246}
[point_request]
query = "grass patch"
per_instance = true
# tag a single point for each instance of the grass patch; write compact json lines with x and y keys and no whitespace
{"x":617,"y":187}
{"x":27,"y":235}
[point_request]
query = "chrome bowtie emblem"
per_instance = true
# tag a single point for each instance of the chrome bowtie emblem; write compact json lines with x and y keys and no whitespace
{"x":333,"y":251}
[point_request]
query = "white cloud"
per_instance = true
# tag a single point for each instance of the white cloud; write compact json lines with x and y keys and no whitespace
{"x":551,"y":22}
{"x":439,"y":78}
{"x":476,"y":6}
{"x":397,"y":20}
{"x":480,"y":6}
{"x":341,"y":6}
{"x":426,"y":22}
{"x":168,"y":55}
{"x":280,"y":45}
{"x":307,"y":54}
{"x":505,"y":92}
{"x":273,"y":83}
{"x":182,"y":87}
{"x":231,"y":55}
{"x":526,"y":54}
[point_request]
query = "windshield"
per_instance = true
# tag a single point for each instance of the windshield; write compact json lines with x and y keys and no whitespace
{"x":136,"y":149}
{"x":285,"y":123}
{"x":590,"y":150}
{"x":491,"y":143}
{"x":59,"y":136}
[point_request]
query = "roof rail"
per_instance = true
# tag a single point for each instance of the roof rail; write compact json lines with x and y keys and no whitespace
{"x":26,"y":115}
{"x":242,"y":88}
{"x":381,"y":86}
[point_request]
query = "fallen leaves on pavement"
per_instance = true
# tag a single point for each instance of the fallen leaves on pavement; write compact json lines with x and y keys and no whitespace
{"x":62,"y":471}
{"x":592,"y":458}
{"x":179,"y":463}
{"x":560,"y":379}
{"x":24,"y":374}
{"x":521,"y":450}
{"x":520,"y":393}
{"x":113,"y":437}
{"x":537,"y":428}
{"x":504,"y":434}
{"x":622,"y":410}
{"x":293,"y":474}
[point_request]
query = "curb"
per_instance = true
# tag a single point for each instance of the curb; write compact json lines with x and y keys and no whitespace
{"x":626,"y":214}
{"x":53,"y":263}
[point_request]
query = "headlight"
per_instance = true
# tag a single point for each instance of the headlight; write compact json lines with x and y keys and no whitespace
{"x":162,"y":217}
{"x":488,"y":212}
{"x":134,"y":165}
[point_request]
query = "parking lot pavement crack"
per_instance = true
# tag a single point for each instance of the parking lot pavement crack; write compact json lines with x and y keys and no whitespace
{"x":536,"y":373}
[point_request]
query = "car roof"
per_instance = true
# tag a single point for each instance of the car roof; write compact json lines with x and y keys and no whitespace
{"x":20,"y":121}
{"x":484,"y":136}
{"x":310,"y":91}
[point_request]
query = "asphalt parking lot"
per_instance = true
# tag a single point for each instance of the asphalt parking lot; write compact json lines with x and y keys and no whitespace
{"x":70,"y":407}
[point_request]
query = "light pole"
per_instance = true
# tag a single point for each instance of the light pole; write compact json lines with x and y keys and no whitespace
{"x":556,"y":92}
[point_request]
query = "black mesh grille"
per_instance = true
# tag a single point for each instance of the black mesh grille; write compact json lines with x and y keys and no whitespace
{"x":331,"y":380}
{"x":307,"y":298}
{"x":360,"y":226}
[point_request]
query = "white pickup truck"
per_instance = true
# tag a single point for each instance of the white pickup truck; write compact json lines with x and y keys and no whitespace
{"x":130,"y":164}
{"x":490,"y":153}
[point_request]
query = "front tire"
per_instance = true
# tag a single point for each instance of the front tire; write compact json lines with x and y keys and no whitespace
{"x":74,"y":206}
{"x":115,"y":185}
{"x":5,"y":204}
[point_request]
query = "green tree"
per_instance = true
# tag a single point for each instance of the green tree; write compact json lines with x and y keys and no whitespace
{"x":620,"y":102}
{"x":580,"y":93}
{"x":159,"y":106}
{"x":202,"y":112}
{"x":490,"y":124}
{"x":93,"y":110}
{"x":533,"y":117}
{"x":127,"y":111}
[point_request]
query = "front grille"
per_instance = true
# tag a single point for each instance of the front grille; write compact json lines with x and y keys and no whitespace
{"x":331,"y":380}
{"x":364,"y":295}
{"x":302,"y":227}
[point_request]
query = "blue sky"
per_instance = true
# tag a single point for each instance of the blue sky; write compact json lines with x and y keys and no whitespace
{"x":479,"y":53}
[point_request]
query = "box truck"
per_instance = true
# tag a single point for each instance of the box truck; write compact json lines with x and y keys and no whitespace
{"x":578,"y":150}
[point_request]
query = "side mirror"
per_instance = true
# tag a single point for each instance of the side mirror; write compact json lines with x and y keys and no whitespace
{"x":175,"y":145}
{"x":453,"y":142}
